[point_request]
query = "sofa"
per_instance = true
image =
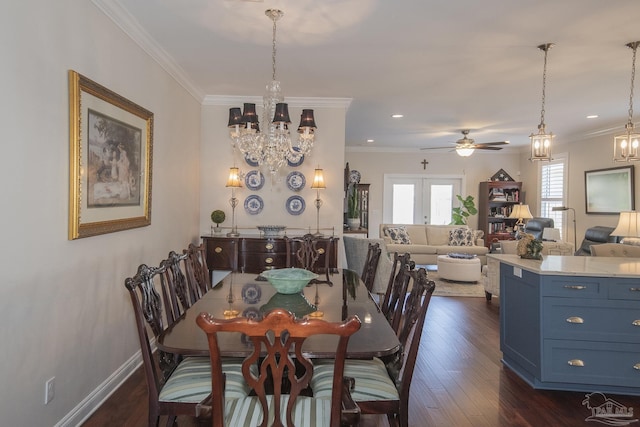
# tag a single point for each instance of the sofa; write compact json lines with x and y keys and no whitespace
{"x":425,"y":242}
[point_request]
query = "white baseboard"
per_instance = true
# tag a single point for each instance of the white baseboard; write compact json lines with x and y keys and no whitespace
{"x":96,"y":398}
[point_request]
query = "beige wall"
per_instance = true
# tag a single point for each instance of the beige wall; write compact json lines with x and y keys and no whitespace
{"x":64,"y":307}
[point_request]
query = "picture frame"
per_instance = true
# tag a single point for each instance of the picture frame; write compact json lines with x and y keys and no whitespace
{"x":609,"y":191}
{"x":110,"y":160}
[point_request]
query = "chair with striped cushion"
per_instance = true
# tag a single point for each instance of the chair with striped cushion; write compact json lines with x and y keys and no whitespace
{"x":394,"y":298}
{"x":186,"y":383}
{"x":277,"y":359}
{"x":178,"y":294}
{"x":198,"y":275}
{"x":382,"y":387}
{"x":312,"y":253}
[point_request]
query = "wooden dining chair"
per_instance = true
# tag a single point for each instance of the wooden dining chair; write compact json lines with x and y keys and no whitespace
{"x":198,"y":275}
{"x":391,"y":296}
{"x":312,"y":253}
{"x":393,"y":306}
{"x":178,"y":295}
{"x":371,"y":265}
{"x":277,"y":358}
{"x":382,"y":387}
{"x":185,"y":384}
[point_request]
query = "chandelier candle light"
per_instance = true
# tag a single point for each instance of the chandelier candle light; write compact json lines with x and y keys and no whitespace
{"x":625,"y":146}
{"x":234,"y":182}
{"x":272,"y":147}
{"x":318,"y":184}
{"x":541,"y":141}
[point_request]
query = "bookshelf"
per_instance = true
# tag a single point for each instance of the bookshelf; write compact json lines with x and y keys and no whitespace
{"x":495,"y":201}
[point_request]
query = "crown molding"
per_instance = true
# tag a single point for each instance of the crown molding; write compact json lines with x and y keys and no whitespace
{"x":132,"y":28}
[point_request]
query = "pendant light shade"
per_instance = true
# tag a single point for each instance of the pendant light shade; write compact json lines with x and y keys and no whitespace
{"x":541,"y":141}
{"x":625,"y":146}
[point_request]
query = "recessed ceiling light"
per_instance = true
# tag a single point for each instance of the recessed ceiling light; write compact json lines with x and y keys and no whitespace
{"x":397,"y":116}
{"x":370,"y":140}
{"x":592,"y":116}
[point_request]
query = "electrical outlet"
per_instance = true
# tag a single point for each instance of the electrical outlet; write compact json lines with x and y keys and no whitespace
{"x":49,"y":390}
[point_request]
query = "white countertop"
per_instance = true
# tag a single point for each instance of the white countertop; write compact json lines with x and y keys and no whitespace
{"x":575,"y":265}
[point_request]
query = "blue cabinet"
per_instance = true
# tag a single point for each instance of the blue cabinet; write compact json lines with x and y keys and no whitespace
{"x":570,"y":332}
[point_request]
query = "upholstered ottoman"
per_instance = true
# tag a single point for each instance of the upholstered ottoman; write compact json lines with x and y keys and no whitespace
{"x":459,"y":269}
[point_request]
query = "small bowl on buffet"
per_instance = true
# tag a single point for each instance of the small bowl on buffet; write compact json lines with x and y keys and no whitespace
{"x":271,"y":230}
{"x":289,"y":280}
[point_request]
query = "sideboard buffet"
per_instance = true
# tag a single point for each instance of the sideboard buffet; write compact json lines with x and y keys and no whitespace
{"x":253,"y":253}
{"x":571,"y":323}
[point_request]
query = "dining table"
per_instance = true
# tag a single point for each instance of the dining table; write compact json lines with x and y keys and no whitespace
{"x":249,"y":295}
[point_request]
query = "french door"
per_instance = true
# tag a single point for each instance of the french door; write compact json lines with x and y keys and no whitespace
{"x":420,"y":199}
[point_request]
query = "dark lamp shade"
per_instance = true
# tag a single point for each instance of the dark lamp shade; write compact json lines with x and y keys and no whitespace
{"x":307,"y":120}
{"x":249,"y":114}
{"x":282,"y":113}
{"x":235,"y":117}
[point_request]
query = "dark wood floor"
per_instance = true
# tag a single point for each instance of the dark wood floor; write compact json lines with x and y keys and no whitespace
{"x":459,"y":380}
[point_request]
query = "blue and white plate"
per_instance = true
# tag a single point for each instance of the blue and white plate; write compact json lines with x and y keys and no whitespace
{"x":299,"y":162}
{"x":253,"y":204}
{"x":251,"y":293}
{"x":295,"y":205}
{"x":354,"y":177}
{"x":249,"y":161}
{"x":254,"y":180}
{"x":296,"y":181}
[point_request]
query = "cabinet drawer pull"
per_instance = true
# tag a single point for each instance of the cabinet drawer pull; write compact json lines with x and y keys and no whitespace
{"x":636,"y":322}
{"x":269,"y":260}
{"x":269,"y":246}
{"x":576,"y":362}
{"x":634,"y":289}
{"x":575,"y":319}
{"x":218,"y":249}
{"x":636,"y":366}
{"x":575,"y":287}
{"x":321,"y":251}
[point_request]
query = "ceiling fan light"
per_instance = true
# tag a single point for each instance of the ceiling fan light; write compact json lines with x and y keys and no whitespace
{"x":464,"y":152}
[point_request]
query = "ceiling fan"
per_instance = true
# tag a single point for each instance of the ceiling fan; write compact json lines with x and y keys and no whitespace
{"x":466,"y":146}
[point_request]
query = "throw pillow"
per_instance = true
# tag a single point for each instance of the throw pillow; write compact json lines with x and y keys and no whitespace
{"x":399,"y":235}
{"x":461,"y":237}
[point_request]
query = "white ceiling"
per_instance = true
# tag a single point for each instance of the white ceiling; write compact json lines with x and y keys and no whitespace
{"x":445,"y":65}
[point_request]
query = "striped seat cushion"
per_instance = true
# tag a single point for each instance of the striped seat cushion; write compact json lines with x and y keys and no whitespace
{"x":372,"y":382}
{"x":307,"y":411}
{"x":191,"y":381}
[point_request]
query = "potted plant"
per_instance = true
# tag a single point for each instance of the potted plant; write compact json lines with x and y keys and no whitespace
{"x":467,"y":208}
{"x":353,"y":207}
{"x":218,"y":217}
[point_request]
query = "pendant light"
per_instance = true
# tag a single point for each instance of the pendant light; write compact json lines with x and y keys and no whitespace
{"x":541,"y":141}
{"x":625,"y":146}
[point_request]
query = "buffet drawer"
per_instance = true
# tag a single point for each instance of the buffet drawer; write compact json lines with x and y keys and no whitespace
{"x":591,"y":319}
{"x":625,"y":289}
{"x":591,"y":363}
{"x":257,"y":262}
{"x":263,"y":245}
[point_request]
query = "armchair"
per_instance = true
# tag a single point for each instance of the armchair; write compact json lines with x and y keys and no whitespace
{"x":535,"y":226}
{"x":596,"y":236}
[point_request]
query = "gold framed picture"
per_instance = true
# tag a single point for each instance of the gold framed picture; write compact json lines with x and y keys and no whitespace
{"x":110,"y":149}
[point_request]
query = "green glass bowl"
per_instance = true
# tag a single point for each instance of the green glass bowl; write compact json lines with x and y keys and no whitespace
{"x":289,"y":280}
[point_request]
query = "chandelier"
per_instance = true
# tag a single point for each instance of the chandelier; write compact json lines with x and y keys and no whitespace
{"x":625,"y":146}
{"x":272,"y":147}
{"x":541,"y":141}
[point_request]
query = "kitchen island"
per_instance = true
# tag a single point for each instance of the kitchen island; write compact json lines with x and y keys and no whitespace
{"x":572,"y":323}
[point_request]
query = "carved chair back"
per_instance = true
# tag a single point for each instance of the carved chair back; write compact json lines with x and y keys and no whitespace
{"x":371,"y":265}
{"x":310,"y":252}
{"x":180,"y":295}
{"x":393,"y":304}
{"x":198,"y":276}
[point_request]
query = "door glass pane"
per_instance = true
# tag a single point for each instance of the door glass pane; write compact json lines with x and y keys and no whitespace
{"x":403,"y":199}
{"x":441,"y":203}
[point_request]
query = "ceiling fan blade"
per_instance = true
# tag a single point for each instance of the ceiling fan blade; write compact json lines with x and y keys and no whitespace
{"x":494,"y":143}
{"x":486,"y":147}
{"x":436,"y":148}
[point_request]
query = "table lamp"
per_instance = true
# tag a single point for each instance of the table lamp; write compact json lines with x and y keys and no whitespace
{"x":521,"y":212}
{"x":234,"y":182}
{"x":628,"y":225}
{"x":564,"y":208}
{"x":318,"y":184}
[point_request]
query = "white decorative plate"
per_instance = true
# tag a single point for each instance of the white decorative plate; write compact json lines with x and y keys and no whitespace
{"x":299,"y":162}
{"x":296,"y":181}
{"x":254,"y":180}
{"x":354,"y":176}
{"x":295,"y":205}
{"x":253,"y":204}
